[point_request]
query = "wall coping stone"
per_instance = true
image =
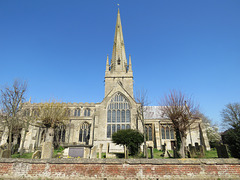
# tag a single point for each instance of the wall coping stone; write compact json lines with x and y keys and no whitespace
{"x":191,"y":161}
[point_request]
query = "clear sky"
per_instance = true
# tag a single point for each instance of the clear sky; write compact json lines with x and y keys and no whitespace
{"x":60,"y":48}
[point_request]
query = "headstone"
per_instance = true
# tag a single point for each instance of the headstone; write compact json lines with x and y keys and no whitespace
{"x":222,"y":151}
{"x":197,"y":147}
{"x":86,"y":153}
{"x":36,"y":155}
{"x":47,"y":150}
{"x":100,"y":151}
{"x":164,"y":147}
{"x":94,"y":152}
{"x":192,"y":151}
{"x":107,"y":150}
{"x":151,"y":152}
{"x":6,"y":153}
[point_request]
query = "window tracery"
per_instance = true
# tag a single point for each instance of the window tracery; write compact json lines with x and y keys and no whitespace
{"x":118,"y":114}
{"x":84,"y":133}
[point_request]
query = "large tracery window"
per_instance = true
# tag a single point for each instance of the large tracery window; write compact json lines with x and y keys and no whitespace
{"x":118,"y":114}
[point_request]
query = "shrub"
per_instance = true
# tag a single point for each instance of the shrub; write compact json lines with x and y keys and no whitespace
{"x":129,"y":137}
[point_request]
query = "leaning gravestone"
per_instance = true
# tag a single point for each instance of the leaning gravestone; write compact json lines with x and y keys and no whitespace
{"x":6,"y":153}
{"x":47,"y":150}
{"x":222,"y":151}
{"x":36,"y":155}
{"x":94,"y":152}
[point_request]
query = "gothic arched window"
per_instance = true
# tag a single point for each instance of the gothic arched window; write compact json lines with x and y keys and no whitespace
{"x":77,"y":112}
{"x":149,"y":132}
{"x":84,"y":133}
{"x":172,"y":133}
{"x":118,"y":114}
{"x":87,"y":112}
{"x":167,"y":133}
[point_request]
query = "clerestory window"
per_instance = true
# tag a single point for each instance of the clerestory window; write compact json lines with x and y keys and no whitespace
{"x":118,"y":114}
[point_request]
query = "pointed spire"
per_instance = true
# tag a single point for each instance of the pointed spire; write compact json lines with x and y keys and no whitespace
{"x":130,"y":64}
{"x":119,"y":60}
{"x":107,"y":64}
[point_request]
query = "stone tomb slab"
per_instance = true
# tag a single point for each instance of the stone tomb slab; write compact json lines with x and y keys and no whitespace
{"x":76,"y":152}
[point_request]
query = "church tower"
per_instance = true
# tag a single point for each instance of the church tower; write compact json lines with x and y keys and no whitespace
{"x":119,"y":71}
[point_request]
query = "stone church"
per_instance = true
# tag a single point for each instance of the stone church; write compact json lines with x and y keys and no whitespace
{"x":92,"y":124}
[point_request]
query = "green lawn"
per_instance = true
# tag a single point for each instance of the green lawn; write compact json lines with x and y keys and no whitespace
{"x":156,"y":154}
{"x":25,"y":155}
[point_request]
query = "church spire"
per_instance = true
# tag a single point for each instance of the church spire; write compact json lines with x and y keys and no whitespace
{"x":119,"y":60}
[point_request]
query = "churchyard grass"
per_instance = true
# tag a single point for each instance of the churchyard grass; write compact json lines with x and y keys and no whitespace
{"x":25,"y":155}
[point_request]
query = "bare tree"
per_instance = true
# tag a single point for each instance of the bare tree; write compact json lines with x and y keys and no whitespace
{"x":52,"y":115}
{"x":142,"y":98}
{"x":182,"y":111}
{"x":12,"y":99}
{"x":231,"y":115}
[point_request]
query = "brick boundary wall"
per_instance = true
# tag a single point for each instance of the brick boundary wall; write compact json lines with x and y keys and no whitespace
{"x":120,"y":169}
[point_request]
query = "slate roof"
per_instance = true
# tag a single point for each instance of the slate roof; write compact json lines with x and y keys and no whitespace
{"x":153,"y":112}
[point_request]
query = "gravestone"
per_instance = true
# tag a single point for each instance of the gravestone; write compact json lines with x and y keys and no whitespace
{"x":6,"y":153}
{"x":86,"y":153}
{"x":100,"y":151}
{"x":197,"y":147}
{"x":76,"y":152}
{"x":164,"y":147}
{"x":222,"y":151}
{"x":36,"y":155}
{"x":192,"y":151}
{"x":151,"y":152}
{"x":47,"y":150}
{"x":94,"y":152}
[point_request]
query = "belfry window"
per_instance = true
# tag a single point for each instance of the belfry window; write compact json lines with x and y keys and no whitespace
{"x":84,"y":133}
{"x":118,"y":114}
{"x":77,"y":112}
{"x":87,"y":112}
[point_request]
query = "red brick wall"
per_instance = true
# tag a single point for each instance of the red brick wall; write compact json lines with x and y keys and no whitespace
{"x":120,"y":169}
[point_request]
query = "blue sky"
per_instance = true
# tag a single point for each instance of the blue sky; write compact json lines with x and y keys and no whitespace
{"x":60,"y":48}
